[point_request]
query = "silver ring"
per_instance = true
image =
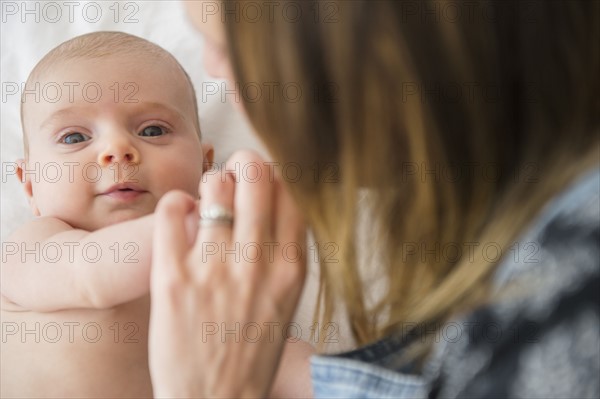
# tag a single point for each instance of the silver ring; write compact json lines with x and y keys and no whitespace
{"x":216,"y":214}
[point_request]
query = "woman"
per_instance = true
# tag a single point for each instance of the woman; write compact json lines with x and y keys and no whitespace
{"x":470,"y":130}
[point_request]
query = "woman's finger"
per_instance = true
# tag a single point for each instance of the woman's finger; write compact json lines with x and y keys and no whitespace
{"x":253,"y":198}
{"x":289,"y":272}
{"x":191,"y":224}
{"x":216,"y":206}
{"x":290,"y":227}
{"x":171,"y":240}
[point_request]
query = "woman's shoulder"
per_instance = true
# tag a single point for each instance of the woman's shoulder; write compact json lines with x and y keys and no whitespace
{"x":542,"y":339}
{"x":566,"y":230}
{"x":539,"y":340}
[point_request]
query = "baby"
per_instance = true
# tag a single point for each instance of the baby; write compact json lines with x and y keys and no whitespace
{"x":75,"y":305}
{"x":112,"y":121}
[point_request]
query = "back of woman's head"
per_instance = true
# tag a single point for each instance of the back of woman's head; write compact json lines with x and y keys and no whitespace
{"x":460,"y":119}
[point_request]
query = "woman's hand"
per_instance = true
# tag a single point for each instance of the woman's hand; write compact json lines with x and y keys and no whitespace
{"x":221,"y":304}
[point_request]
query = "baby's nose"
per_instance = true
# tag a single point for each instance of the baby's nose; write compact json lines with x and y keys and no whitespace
{"x":119,"y":151}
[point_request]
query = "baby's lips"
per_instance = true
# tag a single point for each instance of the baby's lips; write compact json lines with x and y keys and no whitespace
{"x":123,"y":187}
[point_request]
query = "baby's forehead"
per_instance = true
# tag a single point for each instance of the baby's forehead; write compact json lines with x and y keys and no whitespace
{"x":98,"y":49}
{"x":127,"y":77}
{"x":132,"y":63}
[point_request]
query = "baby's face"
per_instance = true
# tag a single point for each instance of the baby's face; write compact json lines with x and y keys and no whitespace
{"x":119,"y":136}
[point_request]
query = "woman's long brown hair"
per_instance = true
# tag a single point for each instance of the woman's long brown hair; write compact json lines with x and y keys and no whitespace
{"x":460,"y":120}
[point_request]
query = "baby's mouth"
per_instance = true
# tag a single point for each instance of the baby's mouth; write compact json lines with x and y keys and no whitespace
{"x":124,"y":192}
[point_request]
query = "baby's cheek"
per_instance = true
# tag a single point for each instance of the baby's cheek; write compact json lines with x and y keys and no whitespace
{"x":185,"y":178}
{"x":46,"y":198}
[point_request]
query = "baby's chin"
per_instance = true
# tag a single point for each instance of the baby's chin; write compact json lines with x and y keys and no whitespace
{"x":125,"y":216}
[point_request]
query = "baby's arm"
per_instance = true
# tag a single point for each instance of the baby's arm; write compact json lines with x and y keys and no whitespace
{"x":47,"y":265}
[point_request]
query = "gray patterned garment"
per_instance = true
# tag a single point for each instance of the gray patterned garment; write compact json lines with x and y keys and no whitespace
{"x":543,"y":342}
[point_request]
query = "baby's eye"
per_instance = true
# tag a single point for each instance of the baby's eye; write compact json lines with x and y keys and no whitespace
{"x":152,"y":131}
{"x":74,"y":138}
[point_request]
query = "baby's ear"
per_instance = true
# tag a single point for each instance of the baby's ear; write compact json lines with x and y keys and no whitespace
{"x":208,"y":153}
{"x":25,"y":180}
